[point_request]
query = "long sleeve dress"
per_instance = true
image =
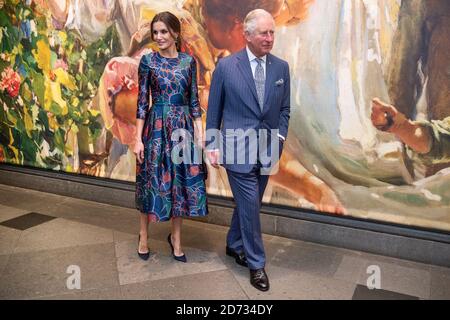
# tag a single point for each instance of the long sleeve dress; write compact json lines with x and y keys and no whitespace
{"x":170,"y":181}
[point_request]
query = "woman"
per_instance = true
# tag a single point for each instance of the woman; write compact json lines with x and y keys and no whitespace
{"x":166,"y":189}
{"x":223,"y":35}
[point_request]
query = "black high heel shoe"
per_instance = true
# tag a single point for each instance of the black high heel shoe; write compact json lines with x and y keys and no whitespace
{"x":143,"y":256}
{"x":178,"y":258}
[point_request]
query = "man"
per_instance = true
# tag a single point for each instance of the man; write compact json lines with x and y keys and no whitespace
{"x":250,"y":91}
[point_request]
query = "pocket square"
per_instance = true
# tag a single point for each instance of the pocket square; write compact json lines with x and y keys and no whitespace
{"x":279,"y":82}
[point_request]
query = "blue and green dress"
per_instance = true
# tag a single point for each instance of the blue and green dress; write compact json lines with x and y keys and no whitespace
{"x":167,"y":188}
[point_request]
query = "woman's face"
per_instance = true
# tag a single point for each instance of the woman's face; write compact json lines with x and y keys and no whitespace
{"x":163,"y":36}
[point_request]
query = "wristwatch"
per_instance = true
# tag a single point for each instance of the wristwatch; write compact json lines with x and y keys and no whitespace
{"x":389,"y":123}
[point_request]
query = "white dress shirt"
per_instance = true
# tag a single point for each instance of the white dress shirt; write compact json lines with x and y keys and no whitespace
{"x":253,"y":64}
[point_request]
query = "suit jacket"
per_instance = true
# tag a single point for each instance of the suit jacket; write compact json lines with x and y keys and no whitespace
{"x":233,"y":104}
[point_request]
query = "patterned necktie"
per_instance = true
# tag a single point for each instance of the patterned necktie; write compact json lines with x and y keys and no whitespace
{"x":260,"y":82}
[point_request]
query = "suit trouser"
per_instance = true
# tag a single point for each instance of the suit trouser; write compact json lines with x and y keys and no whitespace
{"x":245,"y":230}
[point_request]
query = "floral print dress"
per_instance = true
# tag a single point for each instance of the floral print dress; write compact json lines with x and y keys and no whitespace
{"x":166,"y":188}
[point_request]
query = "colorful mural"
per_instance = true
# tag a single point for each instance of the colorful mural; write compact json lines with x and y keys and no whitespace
{"x":68,"y":93}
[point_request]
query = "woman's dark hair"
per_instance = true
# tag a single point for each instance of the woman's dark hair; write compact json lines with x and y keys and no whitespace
{"x":172,"y":23}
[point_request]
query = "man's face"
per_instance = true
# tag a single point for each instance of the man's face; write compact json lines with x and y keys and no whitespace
{"x":260,"y":41}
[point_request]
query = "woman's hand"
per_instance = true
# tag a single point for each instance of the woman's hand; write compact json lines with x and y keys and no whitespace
{"x":139,"y":151}
{"x":198,"y":133}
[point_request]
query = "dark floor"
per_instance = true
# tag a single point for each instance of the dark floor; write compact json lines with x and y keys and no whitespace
{"x":44,"y":236}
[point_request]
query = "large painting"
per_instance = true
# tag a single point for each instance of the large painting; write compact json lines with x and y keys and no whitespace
{"x":68,"y":95}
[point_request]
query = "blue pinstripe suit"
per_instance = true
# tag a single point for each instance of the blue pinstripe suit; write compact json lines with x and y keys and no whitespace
{"x":233,"y":104}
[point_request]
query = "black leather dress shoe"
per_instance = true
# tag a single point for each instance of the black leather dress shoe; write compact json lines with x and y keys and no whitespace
{"x":259,"y":279}
{"x":239,"y":257}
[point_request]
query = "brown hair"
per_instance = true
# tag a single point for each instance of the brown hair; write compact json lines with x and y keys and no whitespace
{"x":172,"y":23}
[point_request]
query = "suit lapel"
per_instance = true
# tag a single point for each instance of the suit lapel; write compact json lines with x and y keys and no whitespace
{"x":246,"y":71}
{"x":270,"y":72}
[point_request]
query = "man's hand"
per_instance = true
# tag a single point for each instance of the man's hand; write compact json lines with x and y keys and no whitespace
{"x":213,"y":157}
{"x":386,"y":117}
{"x":383,"y":115}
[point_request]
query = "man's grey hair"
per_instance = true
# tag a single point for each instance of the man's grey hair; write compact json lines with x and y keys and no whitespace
{"x":252,"y":17}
